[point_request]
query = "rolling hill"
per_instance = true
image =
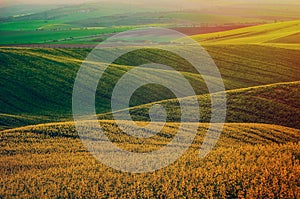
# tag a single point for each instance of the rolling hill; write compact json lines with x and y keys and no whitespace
{"x":270,"y":104}
{"x":16,"y":11}
{"x":39,"y":82}
{"x":50,"y":160}
{"x":257,"y":154}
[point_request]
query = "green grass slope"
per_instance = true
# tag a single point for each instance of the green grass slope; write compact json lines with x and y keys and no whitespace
{"x":271,"y":104}
{"x":262,"y":34}
{"x":39,"y":82}
{"x":50,"y":160}
{"x":253,"y":65}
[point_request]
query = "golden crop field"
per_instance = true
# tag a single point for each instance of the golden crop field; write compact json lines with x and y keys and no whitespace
{"x":249,"y":161}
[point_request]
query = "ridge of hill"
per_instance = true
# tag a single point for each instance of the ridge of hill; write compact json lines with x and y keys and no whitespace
{"x":270,"y":104}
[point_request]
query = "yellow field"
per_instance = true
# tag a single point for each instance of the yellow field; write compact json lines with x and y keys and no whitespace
{"x":249,"y":161}
{"x":282,"y":34}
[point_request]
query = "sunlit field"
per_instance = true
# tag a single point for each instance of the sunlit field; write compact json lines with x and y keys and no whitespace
{"x":256,"y":48}
{"x":250,"y":161}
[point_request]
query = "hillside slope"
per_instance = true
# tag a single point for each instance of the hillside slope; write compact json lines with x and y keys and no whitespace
{"x":271,"y":104}
{"x":248,"y":159}
{"x":39,"y":82}
{"x":237,"y":134}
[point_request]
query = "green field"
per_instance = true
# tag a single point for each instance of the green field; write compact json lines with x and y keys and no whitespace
{"x":69,"y":23}
{"x":59,"y":36}
{"x":269,"y":104}
{"x":47,"y":82}
{"x":15,"y":11}
{"x":57,"y":24}
{"x":257,"y":154}
{"x":198,"y":17}
{"x":25,"y":26}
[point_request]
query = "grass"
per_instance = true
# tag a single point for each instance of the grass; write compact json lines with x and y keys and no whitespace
{"x":71,"y":13}
{"x":54,"y":71}
{"x":271,"y":104}
{"x":15,"y":11}
{"x":126,"y":19}
{"x":24,"y":25}
{"x":249,"y":161}
{"x":54,"y":36}
{"x":201,"y":18}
